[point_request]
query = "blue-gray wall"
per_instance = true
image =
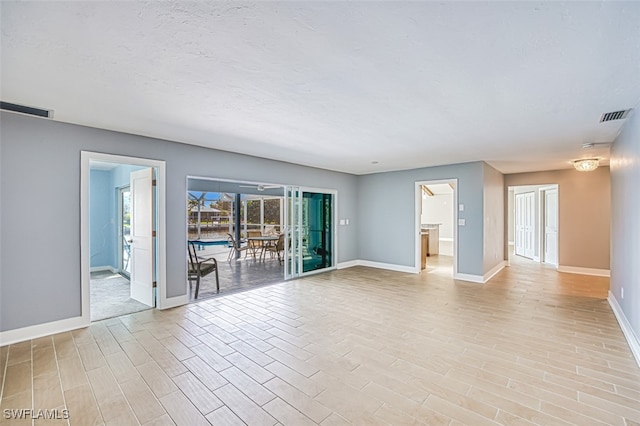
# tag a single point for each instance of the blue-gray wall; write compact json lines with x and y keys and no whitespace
{"x":44,"y":156}
{"x":625,"y":227}
{"x":386,"y":215}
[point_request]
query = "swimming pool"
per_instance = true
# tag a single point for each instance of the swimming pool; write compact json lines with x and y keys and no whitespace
{"x":202,"y":243}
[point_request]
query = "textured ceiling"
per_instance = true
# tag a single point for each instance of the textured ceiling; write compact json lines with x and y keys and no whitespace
{"x":337,"y":85}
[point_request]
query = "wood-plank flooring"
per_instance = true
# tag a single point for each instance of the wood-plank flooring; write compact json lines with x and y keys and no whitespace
{"x":360,"y":346}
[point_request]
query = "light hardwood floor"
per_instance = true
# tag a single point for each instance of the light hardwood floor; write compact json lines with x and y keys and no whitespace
{"x":359,"y":345}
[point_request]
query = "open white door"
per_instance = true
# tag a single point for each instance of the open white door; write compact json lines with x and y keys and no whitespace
{"x":551,"y":226}
{"x":141,"y":241}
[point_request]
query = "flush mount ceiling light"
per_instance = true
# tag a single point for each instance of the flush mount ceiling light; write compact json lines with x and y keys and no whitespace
{"x":586,"y":164}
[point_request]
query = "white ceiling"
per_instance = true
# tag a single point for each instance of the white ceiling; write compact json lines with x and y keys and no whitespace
{"x":336,"y":85}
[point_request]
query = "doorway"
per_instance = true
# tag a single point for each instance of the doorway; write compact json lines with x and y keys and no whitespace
{"x":122,"y":224}
{"x":222,"y":214}
{"x":436,"y":227}
{"x":533,"y":219}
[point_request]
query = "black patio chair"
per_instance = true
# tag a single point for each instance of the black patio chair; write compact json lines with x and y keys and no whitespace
{"x":200,"y":267}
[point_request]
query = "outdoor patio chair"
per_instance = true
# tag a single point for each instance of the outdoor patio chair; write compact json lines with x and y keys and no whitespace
{"x":236,"y":248}
{"x":200,"y":267}
{"x":277,"y":248}
{"x":254,"y":246}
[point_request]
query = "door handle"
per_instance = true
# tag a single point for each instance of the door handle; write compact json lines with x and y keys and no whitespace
{"x":129,"y":241}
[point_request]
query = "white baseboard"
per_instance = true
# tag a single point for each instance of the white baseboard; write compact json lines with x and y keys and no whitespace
{"x":41,"y":330}
{"x":348,"y":264}
{"x":379,"y":265}
{"x":411,"y":270}
{"x":584,"y":271}
{"x":172,"y":302}
{"x":388,"y":266}
{"x":478,"y":279}
{"x":627,"y":330}
{"x":481,"y":279}
{"x":447,"y":240}
{"x":493,"y":271}
{"x":55,"y":327}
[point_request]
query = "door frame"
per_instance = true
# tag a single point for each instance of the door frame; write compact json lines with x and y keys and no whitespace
{"x":160,"y":211}
{"x":418,"y":224}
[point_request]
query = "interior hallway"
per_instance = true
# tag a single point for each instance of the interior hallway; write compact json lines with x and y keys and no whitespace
{"x":359,"y":345}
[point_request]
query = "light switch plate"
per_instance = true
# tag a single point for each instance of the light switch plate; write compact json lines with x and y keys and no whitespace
{"x":462,"y":222}
{"x":461,"y":207}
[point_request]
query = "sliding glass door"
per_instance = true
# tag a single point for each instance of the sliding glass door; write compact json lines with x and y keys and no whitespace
{"x":309,"y":227}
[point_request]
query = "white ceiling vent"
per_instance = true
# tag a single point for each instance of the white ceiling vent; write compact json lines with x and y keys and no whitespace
{"x":615,"y":115}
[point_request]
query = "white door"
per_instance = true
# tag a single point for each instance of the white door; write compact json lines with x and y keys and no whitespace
{"x":525,"y":217}
{"x":551,"y":226}
{"x":141,"y":240}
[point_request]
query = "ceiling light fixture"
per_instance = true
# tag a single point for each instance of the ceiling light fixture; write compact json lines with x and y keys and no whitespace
{"x":586,"y":164}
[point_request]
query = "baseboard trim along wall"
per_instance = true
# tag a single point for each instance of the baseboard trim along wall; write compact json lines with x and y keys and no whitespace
{"x":584,"y":271}
{"x":481,"y":279}
{"x":478,"y":279}
{"x":388,"y":266}
{"x":348,"y":264}
{"x":41,"y":330}
{"x":632,"y":339}
{"x":493,"y":271}
{"x":379,"y":265}
{"x":172,"y":302}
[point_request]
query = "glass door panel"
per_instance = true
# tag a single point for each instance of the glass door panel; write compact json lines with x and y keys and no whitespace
{"x":317,"y":229}
{"x":309,"y":231}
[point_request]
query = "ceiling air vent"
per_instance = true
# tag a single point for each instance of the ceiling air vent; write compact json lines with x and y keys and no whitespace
{"x":38,"y":112}
{"x":616,"y":115}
